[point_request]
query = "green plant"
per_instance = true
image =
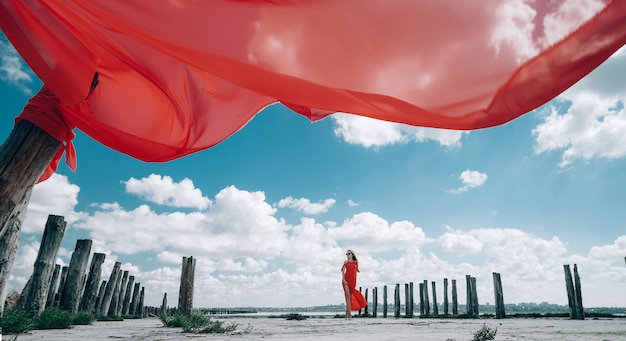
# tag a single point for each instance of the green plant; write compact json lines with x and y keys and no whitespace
{"x":485,"y":333}
{"x":294,"y":316}
{"x":82,"y":318}
{"x":197,"y":323}
{"x":16,"y":322}
{"x":54,"y":318}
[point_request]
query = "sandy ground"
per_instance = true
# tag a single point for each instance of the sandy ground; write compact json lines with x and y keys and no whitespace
{"x":315,"y":328}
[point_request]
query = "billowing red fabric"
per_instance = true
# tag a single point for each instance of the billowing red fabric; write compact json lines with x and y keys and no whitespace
{"x":176,"y":77}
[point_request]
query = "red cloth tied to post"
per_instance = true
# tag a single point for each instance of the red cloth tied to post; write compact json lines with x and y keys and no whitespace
{"x":44,"y":111}
{"x":176,"y":77}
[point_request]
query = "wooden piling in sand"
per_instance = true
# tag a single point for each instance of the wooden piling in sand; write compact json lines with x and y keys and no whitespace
{"x":435,"y":307}
{"x":121,"y":295}
{"x":105,"y":303}
{"x":75,"y":275}
{"x":185,"y":297}
{"x":62,"y":279}
{"x":115,"y":298}
{"x":396,"y":301}
{"x":132,"y":310}
{"x":164,"y":305}
{"x":88,"y":301}
{"x":385,"y":301}
{"x":574,"y":296}
{"x":375,"y":301}
{"x":99,"y":298}
{"x":445,"y":297}
{"x":54,"y":284}
{"x":472,"y":297}
{"x":140,"y":309}
{"x":407,"y":304}
{"x":499,"y":296}
{"x":426,"y":299}
{"x":35,"y":293}
{"x":9,"y":243}
{"x":128,"y":295}
{"x":366,"y":310}
{"x":455,"y":301}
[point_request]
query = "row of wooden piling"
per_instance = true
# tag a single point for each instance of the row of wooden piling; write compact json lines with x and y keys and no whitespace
{"x":472,"y":307}
{"x":71,"y":288}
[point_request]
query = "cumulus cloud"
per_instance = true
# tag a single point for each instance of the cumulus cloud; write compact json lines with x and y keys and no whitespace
{"x":471,"y":179}
{"x":54,"y":196}
{"x":13,"y":70}
{"x":588,"y":120}
{"x":373,"y":133}
{"x":306,"y":206}
{"x":163,"y":190}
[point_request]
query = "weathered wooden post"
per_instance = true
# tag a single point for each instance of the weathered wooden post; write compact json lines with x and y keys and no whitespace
{"x":411,"y":299}
{"x":96,"y":308}
{"x":367,"y":306}
{"x":426,"y":299}
{"x":455,"y":301}
{"x":163,"y":311}
{"x":472,"y":297}
{"x":396,"y":301}
{"x":435,"y":307}
{"x":385,"y":301}
{"x":579,"y":296}
{"x":88,"y":302}
{"x":445,"y":297}
{"x":132,"y":310}
{"x":128,"y":295}
{"x":407,"y":304}
{"x":75,"y":274}
{"x":35,"y":293}
{"x":375,"y":301}
{"x":115,"y":297}
{"x":140,"y":309}
{"x":122,"y":292}
{"x":499,"y":296}
{"x":54,"y":283}
{"x":57,"y":295}
{"x":185,"y":297}
{"x":105,"y":303}
{"x":23,"y":158}
{"x":422,"y":299}
{"x":9,"y":242}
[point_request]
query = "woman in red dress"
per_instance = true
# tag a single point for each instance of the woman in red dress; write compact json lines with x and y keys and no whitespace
{"x":354,"y":298}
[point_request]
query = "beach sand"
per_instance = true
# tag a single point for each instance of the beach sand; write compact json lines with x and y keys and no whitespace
{"x":329,"y":328}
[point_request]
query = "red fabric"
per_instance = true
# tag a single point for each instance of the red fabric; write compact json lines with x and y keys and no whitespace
{"x":357,"y":301}
{"x":177,"y":77}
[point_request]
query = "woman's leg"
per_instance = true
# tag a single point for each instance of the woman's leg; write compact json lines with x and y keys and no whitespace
{"x":346,"y":290}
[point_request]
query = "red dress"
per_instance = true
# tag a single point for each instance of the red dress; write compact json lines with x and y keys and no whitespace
{"x":357,"y":301}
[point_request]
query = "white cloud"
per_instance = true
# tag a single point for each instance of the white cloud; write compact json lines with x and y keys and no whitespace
{"x":351,"y":203}
{"x":369,"y":132}
{"x":306,"y":206}
{"x":13,"y":69}
{"x":471,"y":179}
{"x":588,"y":120}
{"x":249,"y":256}
{"x":54,"y":196}
{"x":163,"y":190}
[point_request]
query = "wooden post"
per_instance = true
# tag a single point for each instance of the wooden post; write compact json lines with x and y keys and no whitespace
{"x":435,"y":307}
{"x":185,"y":297}
{"x":115,"y":298}
{"x":99,"y":298}
{"x":35,"y":293}
{"x":426,"y":299}
{"x":407,"y":304}
{"x":105,"y":303}
{"x":385,"y":301}
{"x":75,"y":274}
{"x":140,"y":308}
{"x":88,"y":302}
{"x":366,"y":307}
{"x":375,"y":301}
{"x":571,"y":296}
{"x":132,"y":310}
{"x":57,"y":295}
{"x":163,"y":311}
{"x":411,"y":300}
{"x":455,"y":301}
{"x":499,"y":296}
{"x":422,"y":305}
{"x":9,"y":243}
{"x":445,"y":297}
{"x":396,"y":301}
{"x":122,"y":292}
{"x":23,"y":157}
{"x":128,"y":295}
{"x":579,"y":296}
{"x":54,"y":284}
{"x":475,"y":306}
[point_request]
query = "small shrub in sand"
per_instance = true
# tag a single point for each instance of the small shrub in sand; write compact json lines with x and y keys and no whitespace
{"x":294,"y":316}
{"x":16,"y":322}
{"x":197,"y":323}
{"x":54,"y":318}
{"x":83,"y":318}
{"x":485,"y":333}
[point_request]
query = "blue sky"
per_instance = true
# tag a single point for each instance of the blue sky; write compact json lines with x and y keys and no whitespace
{"x":269,"y":213}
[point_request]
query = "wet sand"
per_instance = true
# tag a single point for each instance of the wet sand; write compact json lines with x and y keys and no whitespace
{"x":329,"y":328}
